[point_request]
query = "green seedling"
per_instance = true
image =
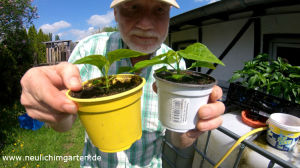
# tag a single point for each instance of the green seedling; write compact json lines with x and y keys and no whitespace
{"x":275,"y":77}
{"x":103,"y":63}
{"x":198,"y":52}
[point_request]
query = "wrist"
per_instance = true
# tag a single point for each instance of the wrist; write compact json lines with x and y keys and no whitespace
{"x":184,"y":140}
{"x":65,"y":124}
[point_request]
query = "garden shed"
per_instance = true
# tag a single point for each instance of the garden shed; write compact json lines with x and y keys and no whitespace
{"x":57,"y":51}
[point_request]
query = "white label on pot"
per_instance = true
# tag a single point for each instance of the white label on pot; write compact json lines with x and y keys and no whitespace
{"x":179,"y":109}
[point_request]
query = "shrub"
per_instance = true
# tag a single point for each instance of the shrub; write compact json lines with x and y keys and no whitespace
{"x":275,"y":77}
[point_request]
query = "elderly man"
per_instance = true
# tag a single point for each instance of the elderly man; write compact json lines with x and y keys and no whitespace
{"x":143,"y":26}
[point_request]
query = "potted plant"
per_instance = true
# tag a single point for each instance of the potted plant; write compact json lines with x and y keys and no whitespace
{"x":266,"y":87}
{"x":109,"y":106}
{"x":181,"y":92}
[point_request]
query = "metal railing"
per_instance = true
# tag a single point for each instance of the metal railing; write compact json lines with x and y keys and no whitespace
{"x":167,"y":162}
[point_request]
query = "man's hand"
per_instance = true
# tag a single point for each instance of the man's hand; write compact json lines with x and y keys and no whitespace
{"x":43,"y":94}
{"x":210,"y":114}
{"x":209,"y":119}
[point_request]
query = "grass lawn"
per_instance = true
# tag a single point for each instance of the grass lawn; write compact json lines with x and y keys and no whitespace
{"x":42,"y":143}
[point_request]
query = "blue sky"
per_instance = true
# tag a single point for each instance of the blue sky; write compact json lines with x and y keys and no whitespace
{"x":76,"y":19}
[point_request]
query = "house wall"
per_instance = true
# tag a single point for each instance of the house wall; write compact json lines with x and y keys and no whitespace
{"x":282,"y":25}
{"x":217,"y":37}
{"x":287,"y":23}
{"x":189,"y":34}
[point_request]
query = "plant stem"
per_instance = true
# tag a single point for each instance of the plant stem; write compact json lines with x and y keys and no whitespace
{"x":178,"y":71}
{"x":106,"y":68}
{"x":107,"y":83}
{"x":177,"y":68}
{"x":178,"y":58}
{"x":172,"y":66}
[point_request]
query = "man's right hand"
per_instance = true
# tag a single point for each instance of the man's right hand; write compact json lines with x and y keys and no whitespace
{"x":43,"y":94}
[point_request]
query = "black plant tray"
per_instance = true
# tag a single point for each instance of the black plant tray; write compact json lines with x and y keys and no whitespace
{"x":259,"y":102}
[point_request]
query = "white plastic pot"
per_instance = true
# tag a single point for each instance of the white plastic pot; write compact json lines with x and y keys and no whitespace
{"x":178,"y":103}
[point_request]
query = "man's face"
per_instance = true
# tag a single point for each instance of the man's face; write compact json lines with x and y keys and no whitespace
{"x":143,"y":24}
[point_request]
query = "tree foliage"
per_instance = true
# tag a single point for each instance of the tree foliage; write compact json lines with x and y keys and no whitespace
{"x":105,"y":29}
{"x":17,"y":50}
{"x":15,"y":14}
{"x":50,"y":36}
{"x":57,"y":37}
{"x":41,"y":48}
{"x":15,"y":59}
{"x":36,"y":40}
{"x":17,"y":46}
{"x":32,"y":36}
{"x":109,"y":29}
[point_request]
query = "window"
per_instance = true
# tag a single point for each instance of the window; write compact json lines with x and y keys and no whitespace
{"x":286,"y":46}
{"x":290,"y":52}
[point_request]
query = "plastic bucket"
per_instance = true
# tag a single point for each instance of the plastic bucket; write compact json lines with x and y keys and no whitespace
{"x":113,"y":123}
{"x":283,"y":131}
{"x":178,"y":103}
{"x":27,"y":122}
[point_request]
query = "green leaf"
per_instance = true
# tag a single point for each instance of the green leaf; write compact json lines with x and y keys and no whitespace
{"x":294,"y":76}
{"x":95,"y":82}
{"x":163,"y":55}
{"x":252,"y":81}
{"x":276,"y":90}
{"x":177,"y":76}
{"x":275,"y":76}
{"x":235,"y":77}
{"x":97,"y":60}
{"x":261,"y":68}
{"x":125,"y":69}
{"x":266,"y":75}
{"x":202,"y":64}
{"x":170,"y":56}
{"x":262,"y":79}
{"x":145,"y":63}
{"x":287,"y":97}
{"x":297,"y":100}
{"x":199,"y":52}
{"x":118,"y":54}
{"x":296,"y":68}
{"x":294,"y":92}
{"x":164,"y":68}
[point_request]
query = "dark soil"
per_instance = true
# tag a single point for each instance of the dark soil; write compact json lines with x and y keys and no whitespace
{"x":190,"y":77}
{"x":96,"y":88}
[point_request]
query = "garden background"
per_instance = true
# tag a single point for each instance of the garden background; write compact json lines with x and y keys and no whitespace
{"x":21,"y":48}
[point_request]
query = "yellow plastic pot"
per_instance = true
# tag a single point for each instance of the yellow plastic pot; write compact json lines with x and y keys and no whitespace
{"x":113,"y":123}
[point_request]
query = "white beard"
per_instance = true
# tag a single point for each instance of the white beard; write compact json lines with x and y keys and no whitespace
{"x":148,"y":46}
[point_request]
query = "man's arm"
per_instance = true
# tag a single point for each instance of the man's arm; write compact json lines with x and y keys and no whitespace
{"x":44,"y":89}
{"x":209,"y":119}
